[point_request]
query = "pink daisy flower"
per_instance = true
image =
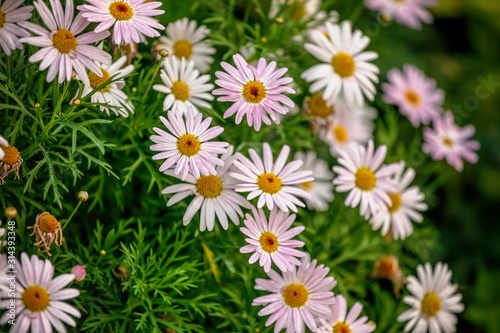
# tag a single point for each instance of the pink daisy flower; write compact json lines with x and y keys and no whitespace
{"x":415,"y":94}
{"x":272,"y":242}
{"x":39,"y":297}
{"x":449,"y":141}
{"x":273,"y":182}
{"x":341,"y":321}
{"x":62,"y":50}
{"x":4,"y":267}
{"x":254,"y":91}
{"x":297,"y":297}
{"x":365,"y":178}
{"x":13,"y":20}
{"x":214,"y":195}
{"x":406,"y":205}
{"x":129,"y":18}
{"x":186,"y":145}
{"x":410,"y":12}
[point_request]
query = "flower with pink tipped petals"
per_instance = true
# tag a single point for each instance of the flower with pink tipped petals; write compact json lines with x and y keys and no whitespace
{"x":129,"y":18}
{"x":415,"y":94}
{"x":79,"y":273}
{"x":449,"y":141}
{"x":272,"y":242}
{"x":273,"y":182}
{"x":297,"y":297}
{"x":187,"y":146}
{"x":341,"y":321}
{"x":365,"y":178}
{"x":39,"y":297}
{"x":13,"y":21}
{"x":62,"y":50}
{"x":410,"y":13}
{"x":255,"y":92}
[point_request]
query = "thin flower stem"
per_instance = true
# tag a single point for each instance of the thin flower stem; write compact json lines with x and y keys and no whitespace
{"x":71,"y":216}
{"x":157,"y":69}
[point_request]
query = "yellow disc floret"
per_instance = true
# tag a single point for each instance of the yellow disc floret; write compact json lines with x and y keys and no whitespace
{"x":396,"y":202}
{"x":365,"y":179}
{"x":412,"y":97}
{"x":64,"y":41}
{"x":121,"y":10}
{"x":180,"y":90}
{"x":343,"y":64}
{"x":47,"y":223}
{"x":188,"y":145}
{"x":341,"y":327}
{"x":268,"y":242}
{"x":35,"y":298}
{"x":317,"y":106}
{"x":96,"y":81}
{"x":269,"y":183}
{"x":209,"y":186}
{"x":11,"y":155}
{"x":254,"y":92}
{"x":431,"y":305}
{"x":182,"y":49}
{"x":295,"y":295}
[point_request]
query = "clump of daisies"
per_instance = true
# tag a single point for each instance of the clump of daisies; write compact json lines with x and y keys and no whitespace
{"x":256,"y":92}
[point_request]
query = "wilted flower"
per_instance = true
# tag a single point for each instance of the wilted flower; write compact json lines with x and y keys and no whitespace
{"x":47,"y":230}
{"x":10,"y":162}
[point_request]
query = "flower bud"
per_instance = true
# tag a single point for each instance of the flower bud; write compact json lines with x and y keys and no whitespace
{"x":79,"y":273}
{"x":77,"y":102}
{"x":10,"y":212}
{"x":83,"y":196}
{"x":163,"y":53}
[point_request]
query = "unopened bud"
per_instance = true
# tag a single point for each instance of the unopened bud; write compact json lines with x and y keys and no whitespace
{"x":79,"y":273}
{"x":263,"y":40}
{"x":37,"y":105}
{"x":10,"y":212}
{"x":77,"y":101}
{"x":134,"y":89}
{"x":279,"y":19}
{"x":83,"y":196}
{"x":103,"y":252}
{"x":163,"y":53}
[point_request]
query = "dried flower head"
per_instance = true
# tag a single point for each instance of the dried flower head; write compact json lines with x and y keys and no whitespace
{"x":10,"y":162}
{"x":47,"y":230}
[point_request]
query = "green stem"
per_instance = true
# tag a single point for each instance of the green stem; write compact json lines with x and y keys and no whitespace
{"x":158,"y":66}
{"x":71,"y":216}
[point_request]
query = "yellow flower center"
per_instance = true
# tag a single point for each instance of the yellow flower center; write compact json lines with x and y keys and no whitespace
{"x":317,"y":106}
{"x":340,"y":133}
{"x":96,"y":81}
{"x":431,"y":304}
{"x":182,"y":48}
{"x":447,"y":141}
{"x":295,"y":295}
{"x":47,"y":223}
{"x":209,"y":186}
{"x":64,"y":41}
{"x":341,"y":327}
{"x":254,"y":92}
{"x":269,"y":242}
{"x":412,"y":97}
{"x":121,"y":10}
{"x":188,"y":145}
{"x":2,"y":19}
{"x":11,"y":155}
{"x":269,"y":183}
{"x":365,"y":179}
{"x":180,"y":90}
{"x":343,"y":64}
{"x":386,"y":267}
{"x":35,"y":298}
{"x":306,"y":185}
{"x":396,"y":202}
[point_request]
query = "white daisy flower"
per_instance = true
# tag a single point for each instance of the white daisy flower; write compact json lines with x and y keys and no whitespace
{"x":111,"y":94}
{"x":404,"y":207}
{"x":184,"y":40}
{"x":215,"y":195}
{"x":346,"y":70}
{"x":348,"y":124}
{"x":39,"y":297}
{"x":341,"y":321}
{"x":4,"y":143}
{"x":184,"y":86}
{"x":365,"y":178}
{"x":321,"y":188}
{"x":273,"y":182}
{"x":298,"y":9}
{"x":433,"y":301}
{"x":187,"y":146}
{"x":13,"y":21}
